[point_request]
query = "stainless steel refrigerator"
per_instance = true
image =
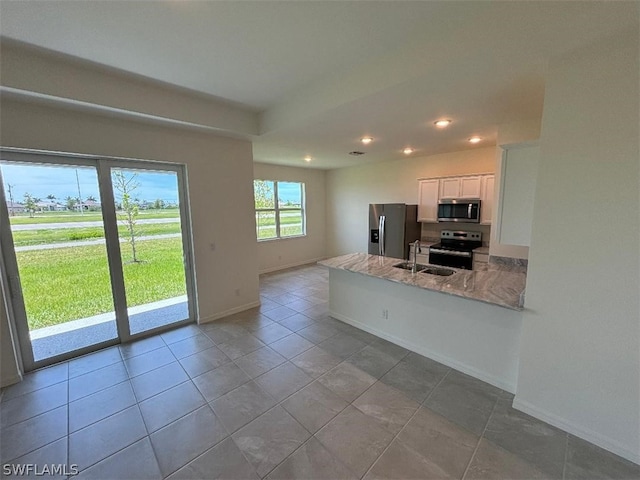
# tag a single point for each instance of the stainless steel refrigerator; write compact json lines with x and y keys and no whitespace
{"x":392,"y":226}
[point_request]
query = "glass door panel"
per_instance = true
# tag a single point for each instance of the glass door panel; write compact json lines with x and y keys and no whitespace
{"x":58,"y":236}
{"x":151,"y":246}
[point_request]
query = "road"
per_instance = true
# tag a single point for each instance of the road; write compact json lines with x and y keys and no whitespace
{"x":97,"y":241}
{"x":55,"y":226}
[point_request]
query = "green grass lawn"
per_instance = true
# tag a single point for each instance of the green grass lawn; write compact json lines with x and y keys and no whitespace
{"x":290,"y":224}
{"x":66,"y":284}
{"x":48,"y":235}
{"x":62,"y":217}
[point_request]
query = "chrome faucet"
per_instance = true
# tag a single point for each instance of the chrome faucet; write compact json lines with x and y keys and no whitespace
{"x":416,"y":249}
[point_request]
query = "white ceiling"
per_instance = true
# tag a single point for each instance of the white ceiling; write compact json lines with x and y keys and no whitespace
{"x":321,"y":74}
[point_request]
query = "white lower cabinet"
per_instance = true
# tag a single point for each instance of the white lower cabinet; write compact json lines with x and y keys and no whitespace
{"x":423,"y":256}
{"x":479,"y":259}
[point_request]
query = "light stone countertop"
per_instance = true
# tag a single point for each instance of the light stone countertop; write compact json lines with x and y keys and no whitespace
{"x":493,"y":284}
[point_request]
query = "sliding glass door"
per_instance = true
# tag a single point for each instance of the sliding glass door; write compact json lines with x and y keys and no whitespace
{"x":95,"y":252}
{"x":60,"y":256}
{"x":151,"y":248}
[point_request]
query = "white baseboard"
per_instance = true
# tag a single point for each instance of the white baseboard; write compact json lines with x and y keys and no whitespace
{"x":291,"y":265}
{"x":231,"y":311}
{"x":581,"y":432}
{"x":469,"y":370}
{"x":11,"y":380}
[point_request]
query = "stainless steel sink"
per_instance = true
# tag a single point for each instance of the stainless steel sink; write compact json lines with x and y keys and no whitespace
{"x":443,"y":272}
{"x":409,"y":266}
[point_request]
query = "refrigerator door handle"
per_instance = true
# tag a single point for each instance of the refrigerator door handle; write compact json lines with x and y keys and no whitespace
{"x":381,"y":239}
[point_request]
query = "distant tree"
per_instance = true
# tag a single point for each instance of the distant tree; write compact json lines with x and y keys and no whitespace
{"x":158,"y":204}
{"x":51,"y":197}
{"x":70,"y":203}
{"x":30,"y":204}
{"x":91,"y":198}
{"x":263,"y":194}
{"x":125,"y":186}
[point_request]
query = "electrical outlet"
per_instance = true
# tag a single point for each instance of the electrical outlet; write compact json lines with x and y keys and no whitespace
{"x":385,"y":313}
{"x":237,"y":292}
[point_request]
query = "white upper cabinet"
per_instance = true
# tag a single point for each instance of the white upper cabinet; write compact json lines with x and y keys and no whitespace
{"x":461,"y":187}
{"x":450,"y":187}
{"x":432,"y":190}
{"x":487,"y":191}
{"x":470,"y":187}
{"x":428,"y":191}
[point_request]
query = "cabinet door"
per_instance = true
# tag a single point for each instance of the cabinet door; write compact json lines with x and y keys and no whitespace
{"x":450,"y":187}
{"x":486,"y":207}
{"x":470,"y":187}
{"x":428,"y":200}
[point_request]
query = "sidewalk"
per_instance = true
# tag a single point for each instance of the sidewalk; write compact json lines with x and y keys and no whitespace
{"x":56,"y":226}
{"x":98,"y":241}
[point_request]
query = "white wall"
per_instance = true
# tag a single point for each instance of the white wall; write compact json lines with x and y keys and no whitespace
{"x":351,"y":190}
{"x":220,"y":178}
{"x":580,"y":357}
{"x":283,"y":253}
{"x":30,"y":71}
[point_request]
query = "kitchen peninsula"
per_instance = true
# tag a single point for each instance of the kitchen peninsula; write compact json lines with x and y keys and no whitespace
{"x":470,"y":321}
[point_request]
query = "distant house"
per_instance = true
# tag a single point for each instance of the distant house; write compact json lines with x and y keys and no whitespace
{"x":91,"y":205}
{"x":15,"y":207}
{"x":49,"y":206}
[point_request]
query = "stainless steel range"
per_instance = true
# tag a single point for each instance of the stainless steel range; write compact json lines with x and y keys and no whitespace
{"x":455,"y":249}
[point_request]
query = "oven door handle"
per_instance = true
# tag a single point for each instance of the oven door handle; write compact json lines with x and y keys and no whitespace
{"x":450,"y":252}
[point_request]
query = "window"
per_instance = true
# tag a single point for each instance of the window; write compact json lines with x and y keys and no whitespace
{"x":282,"y":218}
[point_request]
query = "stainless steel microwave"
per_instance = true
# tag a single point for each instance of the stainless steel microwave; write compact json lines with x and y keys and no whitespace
{"x":462,"y":210}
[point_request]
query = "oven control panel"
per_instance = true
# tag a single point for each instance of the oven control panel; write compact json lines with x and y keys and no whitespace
{"x":460,"y":235}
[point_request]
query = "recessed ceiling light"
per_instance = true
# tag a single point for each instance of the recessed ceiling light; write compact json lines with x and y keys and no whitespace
{"x":366,"y":140}
{"x":407,"y":151}
{"x":307,"y":158}
{"x":475,"y":139}
{"x":442,"y":123}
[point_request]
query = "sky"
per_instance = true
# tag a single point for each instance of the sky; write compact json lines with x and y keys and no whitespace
{"x":40,"y":181}
{"x":289,"y":191}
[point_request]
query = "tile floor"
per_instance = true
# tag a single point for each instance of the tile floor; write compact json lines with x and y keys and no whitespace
{"x":281,"y":391}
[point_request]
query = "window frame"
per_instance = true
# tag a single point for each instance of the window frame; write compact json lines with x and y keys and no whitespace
{"x":277,"y":209}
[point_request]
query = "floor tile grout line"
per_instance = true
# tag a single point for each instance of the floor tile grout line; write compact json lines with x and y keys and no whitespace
{"x":35,"y":449}
{"x":475,"y":450}
{"x":8,"y":399}
{"x":111,"y":455}
{"x":69,"y":432}
{"x":420,"y":405}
